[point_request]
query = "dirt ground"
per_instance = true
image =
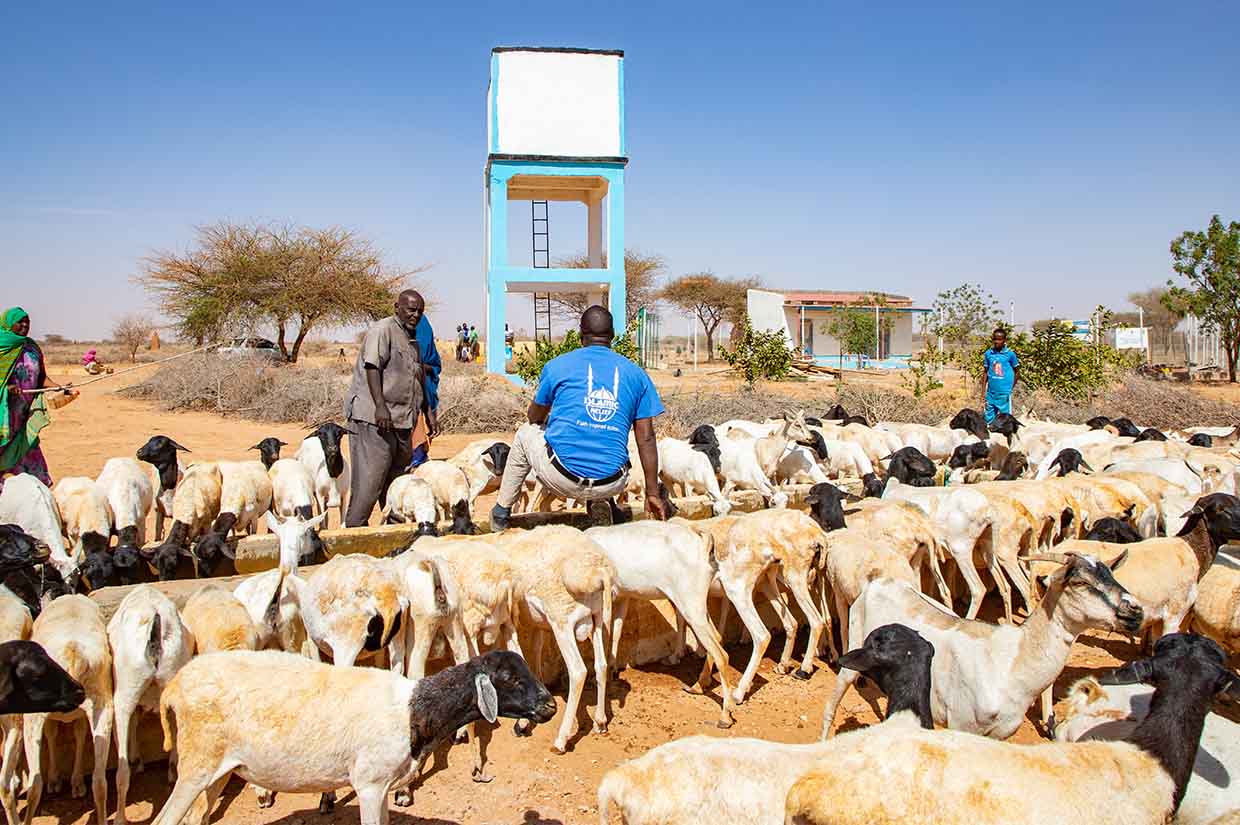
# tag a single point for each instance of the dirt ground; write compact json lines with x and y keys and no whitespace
{"x":532,"y":785}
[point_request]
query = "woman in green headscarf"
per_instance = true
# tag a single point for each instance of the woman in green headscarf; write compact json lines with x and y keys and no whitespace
{"x":22,"y":413}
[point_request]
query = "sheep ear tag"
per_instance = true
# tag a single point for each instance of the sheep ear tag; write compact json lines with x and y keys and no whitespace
{"x":488,"y":700}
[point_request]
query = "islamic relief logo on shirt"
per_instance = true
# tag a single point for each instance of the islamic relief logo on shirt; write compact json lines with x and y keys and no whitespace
{"x":601,"y":404}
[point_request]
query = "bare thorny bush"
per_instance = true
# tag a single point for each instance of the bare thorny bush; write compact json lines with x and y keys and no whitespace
{"x":482,"y":403}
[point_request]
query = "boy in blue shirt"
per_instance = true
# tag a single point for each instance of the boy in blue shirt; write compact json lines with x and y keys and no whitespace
{"x":576,"y":441}
{"x":1002,"y":373}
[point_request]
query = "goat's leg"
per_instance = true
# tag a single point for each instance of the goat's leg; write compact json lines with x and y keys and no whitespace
{"x":1011,"y":566}
{"x":817,"y":622}
{"x":8,"y":772}
{"x":601,"y":667}
{"x":771,"y":590}
{"x":576,"y":669}
{"x":200,"y":812}
{"x":522,"y":727}
{"x":936,"y":570}
{"x":741,"y":596}
{"x":697,"y":617}
{"x":125,"y":706}
{"x":977,"y":591}
{"x":617,"y":628}
{"x":34,"y":727}
{"x":398,"y":648}
{"x":77,"y":779}
{"x":192,"y":781}
{"x":1001,"y":582}
{"x":101,"y":736}
{"x":678,"y":651}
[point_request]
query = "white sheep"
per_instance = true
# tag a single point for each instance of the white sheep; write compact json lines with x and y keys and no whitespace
{"x":131,"y":495}
{"x":434,"y":607}
{"x":27,"y":503}
{"x":986,"y":676}
{"x":690,"y":470}
{"x":567,"y":585}
{"x":452,"y":492}
{"x":322,"y":457}
{"x":667,"y":560}
{"x":326,"y":727}
{"x":217,"y":620}
{"x":72,"y":632}
{"x":85,"y":513}
{"x":411,"y":500}
{"x":149,"y":645}
{"x":292,"y":489}
{"x":482,"y":461}
{"x":195,"y":504}
{"x":351,"y":606}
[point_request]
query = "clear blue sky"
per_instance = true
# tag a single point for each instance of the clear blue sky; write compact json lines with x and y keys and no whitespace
{"x":1050,"y":151}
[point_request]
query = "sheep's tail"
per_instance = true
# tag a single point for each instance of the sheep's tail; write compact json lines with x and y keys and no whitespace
{"x":166,"y":717}
{"x":441,"y":595}
{"x":154,"y":641}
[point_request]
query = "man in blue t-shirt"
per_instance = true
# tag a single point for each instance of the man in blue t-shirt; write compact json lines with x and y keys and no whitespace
{"x":1002,"y":373}
{"x":576,"y":441}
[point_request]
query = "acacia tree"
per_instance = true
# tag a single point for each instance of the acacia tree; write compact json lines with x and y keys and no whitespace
{"x":641,"y":275}
{"x":711,"y":299}
{"x":1210,"y":262}
{"x":131,"y":332}
{"x":238,"y":276}
{"x":1158,"y":316}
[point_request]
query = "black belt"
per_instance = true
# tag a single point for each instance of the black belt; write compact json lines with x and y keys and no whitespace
{"x":584,"y":482}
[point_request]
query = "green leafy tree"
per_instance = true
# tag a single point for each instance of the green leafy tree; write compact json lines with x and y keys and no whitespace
{"x":758,"y":354}
{"x":962,"y":315}
{"x":854,"y":328}
{"x":1054,"y":360}
{"x":529,"y":364}
{"x":1210,"y":264}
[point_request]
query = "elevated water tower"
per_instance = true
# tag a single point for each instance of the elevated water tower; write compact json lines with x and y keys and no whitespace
{"x":555,"y":132}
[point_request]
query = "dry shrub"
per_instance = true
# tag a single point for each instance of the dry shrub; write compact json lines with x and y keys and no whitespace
{"x":480,"y":404}
{"x":247,"y":388}
{"x":1159,"y":404}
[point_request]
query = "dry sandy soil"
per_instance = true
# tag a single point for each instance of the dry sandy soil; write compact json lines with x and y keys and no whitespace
{"x":532,"y":785}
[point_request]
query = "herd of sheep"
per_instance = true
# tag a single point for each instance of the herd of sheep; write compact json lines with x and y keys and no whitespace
{"x":1097,"y":527}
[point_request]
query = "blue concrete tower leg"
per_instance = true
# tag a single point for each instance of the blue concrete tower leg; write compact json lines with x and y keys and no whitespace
{"x":615,"y":249}
{"x":497,"y":290}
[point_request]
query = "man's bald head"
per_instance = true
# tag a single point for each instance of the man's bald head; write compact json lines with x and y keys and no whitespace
{"x":596,"y":326}
{"x":409,"y":307}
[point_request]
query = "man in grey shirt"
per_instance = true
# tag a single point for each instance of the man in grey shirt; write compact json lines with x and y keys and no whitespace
{"x":385,"y":397}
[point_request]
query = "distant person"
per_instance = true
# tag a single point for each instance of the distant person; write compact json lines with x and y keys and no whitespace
{"x":386,"y":394}
{"x":1002,"y":373}
{"x":473,"y":343}
{"x":576,"y":441}
{"x":23,"y":413}
{"x":92,"y":364}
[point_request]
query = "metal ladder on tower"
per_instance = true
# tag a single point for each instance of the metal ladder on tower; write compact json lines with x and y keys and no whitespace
{"x":540,"y":245}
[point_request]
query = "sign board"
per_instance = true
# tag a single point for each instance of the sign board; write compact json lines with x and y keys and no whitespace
{"x":1131,"y":338}
{"x":1080,"y":330}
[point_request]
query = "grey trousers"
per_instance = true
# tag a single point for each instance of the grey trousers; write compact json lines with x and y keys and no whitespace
{"x":375,"y":458}
{"x":529,"y":454}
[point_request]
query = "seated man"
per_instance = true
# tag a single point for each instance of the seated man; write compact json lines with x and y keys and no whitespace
{"x":577,"y":440}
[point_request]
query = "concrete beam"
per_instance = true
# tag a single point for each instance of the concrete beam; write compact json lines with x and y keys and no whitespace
{"x":262,"y":552}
